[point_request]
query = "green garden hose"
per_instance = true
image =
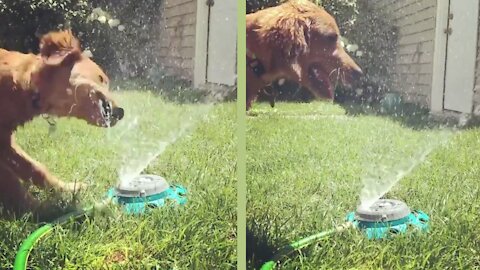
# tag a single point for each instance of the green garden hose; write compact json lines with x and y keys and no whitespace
{"x":285,"y":251}
{"x":23,"y":253}
{"x":27,"y":245}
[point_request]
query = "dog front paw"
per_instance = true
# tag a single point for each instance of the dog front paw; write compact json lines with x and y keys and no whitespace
{"x":73,"y":186}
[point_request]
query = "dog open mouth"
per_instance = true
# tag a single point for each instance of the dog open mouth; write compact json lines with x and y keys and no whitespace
{"x":320,"y":81}
{"x":110,"y":115}
{"x":105,"y":108}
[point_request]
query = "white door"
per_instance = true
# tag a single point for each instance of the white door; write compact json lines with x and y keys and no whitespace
{"x":461,"y":55}
{"x":222,"y":42}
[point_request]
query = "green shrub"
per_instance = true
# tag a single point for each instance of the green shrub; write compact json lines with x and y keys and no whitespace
{"x":118,"y":33}
{"x":131,"y":51}
{"x":23,"y":21}
{"x":375,"y":36}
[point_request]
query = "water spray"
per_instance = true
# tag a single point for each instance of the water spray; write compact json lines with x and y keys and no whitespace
{"x":382,"y":220}
{"x":138,"y":196}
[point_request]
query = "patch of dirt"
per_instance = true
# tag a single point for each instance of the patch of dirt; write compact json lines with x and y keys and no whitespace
{"x":117,"y":256}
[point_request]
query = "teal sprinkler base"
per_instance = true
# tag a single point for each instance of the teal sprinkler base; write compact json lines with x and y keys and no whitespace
{"x":146,"y":192}
{"x":386,"y":218}
{"x":138,"y":196}
{"x":381,"y":220}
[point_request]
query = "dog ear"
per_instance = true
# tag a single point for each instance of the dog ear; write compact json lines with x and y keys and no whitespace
{"x":58,"y":47}
{"x":289,"y":35}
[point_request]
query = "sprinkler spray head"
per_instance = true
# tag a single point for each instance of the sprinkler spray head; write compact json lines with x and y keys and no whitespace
{"x":145,"y":192}
{"x":386,"y":218}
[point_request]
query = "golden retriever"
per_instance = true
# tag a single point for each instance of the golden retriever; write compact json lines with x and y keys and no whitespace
{"x":298,"y":41}
{"x":59,"y":81}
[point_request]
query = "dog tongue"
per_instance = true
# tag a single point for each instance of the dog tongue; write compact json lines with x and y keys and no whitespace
{"x":322,"y":83}
{"x":297,"y":68}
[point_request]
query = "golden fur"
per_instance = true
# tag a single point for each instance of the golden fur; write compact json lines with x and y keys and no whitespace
{"x":298,"y":41}
{"x":60,"y":81}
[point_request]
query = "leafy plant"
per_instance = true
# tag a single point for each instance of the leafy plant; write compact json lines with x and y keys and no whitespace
{"x":118,"y":33}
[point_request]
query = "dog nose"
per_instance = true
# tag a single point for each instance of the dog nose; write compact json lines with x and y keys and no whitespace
{"x":117,"y":113}
{"x":356,"y":73}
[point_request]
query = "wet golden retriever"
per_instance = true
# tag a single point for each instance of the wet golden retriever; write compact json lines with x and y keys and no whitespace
{"x":298,"y":41}
{"x":59,"y":81}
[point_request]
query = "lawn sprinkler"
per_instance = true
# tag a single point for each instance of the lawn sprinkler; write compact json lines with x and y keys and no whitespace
{"x":145,"y":192}
{"x":138,"y":196}
{"x":386,"y":218}
{"x":383,"y":219}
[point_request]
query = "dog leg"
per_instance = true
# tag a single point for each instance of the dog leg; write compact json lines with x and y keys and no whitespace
{"x":254,"y":86}
{"x":13,"y":194}
{"x":271,"y":95}
{"x":29,"y":169}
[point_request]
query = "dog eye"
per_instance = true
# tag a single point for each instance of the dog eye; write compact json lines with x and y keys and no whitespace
{"x":101,"y":78}
{"x":332,"y":37}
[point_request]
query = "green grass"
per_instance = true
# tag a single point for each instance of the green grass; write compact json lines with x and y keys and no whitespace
{"x":305,"y":167}
{"x":200,"y":235}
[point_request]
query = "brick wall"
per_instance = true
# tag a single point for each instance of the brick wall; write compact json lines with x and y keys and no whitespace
{"x":177,"y":37}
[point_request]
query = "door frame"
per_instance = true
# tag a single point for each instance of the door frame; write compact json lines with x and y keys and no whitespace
{"x":201,"y":44}
{"x":440,"y":56}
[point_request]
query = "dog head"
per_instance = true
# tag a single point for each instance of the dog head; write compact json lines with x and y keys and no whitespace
{"x":71,"y":84}
{"x":309,"y":39}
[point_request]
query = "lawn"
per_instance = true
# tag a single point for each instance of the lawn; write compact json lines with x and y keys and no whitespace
{"x":197,"y":149}
{"x":306,"y":165}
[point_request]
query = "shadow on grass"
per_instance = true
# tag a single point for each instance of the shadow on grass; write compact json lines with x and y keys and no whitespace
{"x":48,"y":211}
{"x":259,"y":250}
{"x":180,"y":91}
{"x":411,"y":115}
{"x":393,"y":106}
{"x":382,"y":104}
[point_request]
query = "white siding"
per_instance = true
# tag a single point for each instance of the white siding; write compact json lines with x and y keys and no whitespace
{"x":415,"y":20}
{"x":476,"y":95}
